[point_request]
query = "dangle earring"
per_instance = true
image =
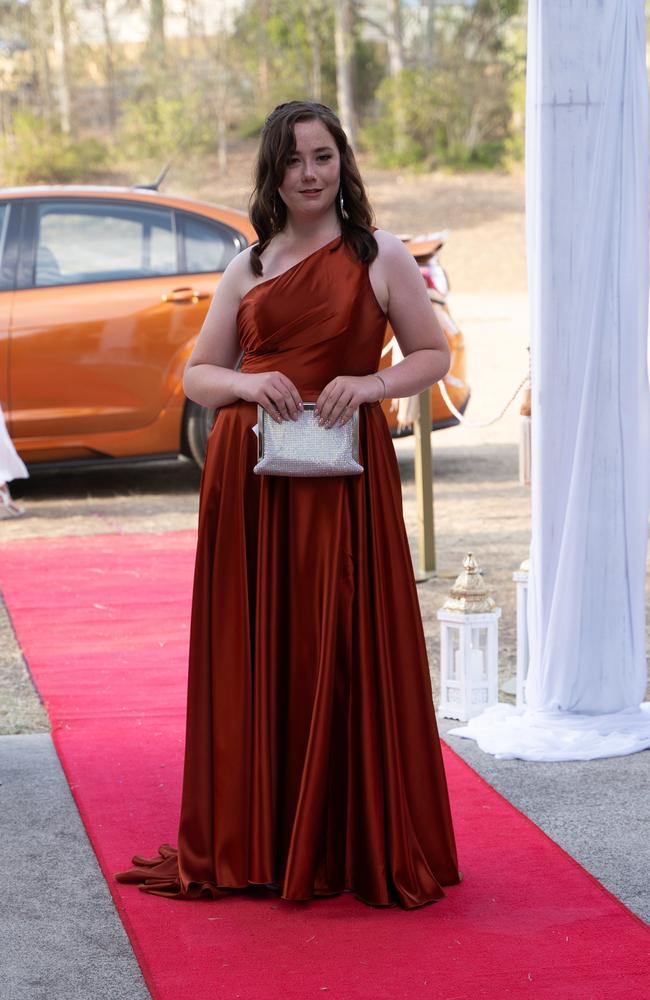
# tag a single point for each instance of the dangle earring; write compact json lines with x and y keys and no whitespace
{"x":341,"y":204}
{"x":276,"y":212}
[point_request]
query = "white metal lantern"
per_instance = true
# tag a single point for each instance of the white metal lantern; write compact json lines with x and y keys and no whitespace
{"x":469,"y":647}
{"x":520,"y":577}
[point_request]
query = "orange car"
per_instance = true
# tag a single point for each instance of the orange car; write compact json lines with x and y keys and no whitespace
{"x":102,"y":294}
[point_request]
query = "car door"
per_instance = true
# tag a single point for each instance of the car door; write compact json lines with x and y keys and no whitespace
{"x":100,"y":318}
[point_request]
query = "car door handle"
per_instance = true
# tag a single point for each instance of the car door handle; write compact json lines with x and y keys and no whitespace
{"x":184,"y":294}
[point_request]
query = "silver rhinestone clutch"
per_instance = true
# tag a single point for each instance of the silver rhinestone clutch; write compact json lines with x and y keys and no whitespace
{"x":303,"y":448}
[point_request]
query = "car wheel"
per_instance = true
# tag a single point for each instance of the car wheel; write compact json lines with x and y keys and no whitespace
{"x":198,"y":424}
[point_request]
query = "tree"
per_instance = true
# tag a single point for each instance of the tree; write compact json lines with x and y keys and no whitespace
{"x":430,"y":33}
{"x":344,"y":48}
{"x":103,"y":9}
{"x":61,"y":47}
{"x":157,"y":31}
{"x":396,"y":64}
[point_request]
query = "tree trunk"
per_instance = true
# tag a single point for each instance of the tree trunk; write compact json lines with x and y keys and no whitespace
{"x":109,"y":66}
{"x":41,"y":40}
{"x":264,"y":55}
{"x":221,"y":92}
{"x":395,"y":43}
{"x":396,"y":65}
{"x":157,"y":30}
{"x":344,"y":48}
{"x":61,"y":68}
{"x":430,"y":34}
{"x":314,"y":47}
{"x":191,"y":28}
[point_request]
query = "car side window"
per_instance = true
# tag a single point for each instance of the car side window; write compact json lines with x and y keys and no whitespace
{"x":208,"y":246}
{"x":86,"y":241}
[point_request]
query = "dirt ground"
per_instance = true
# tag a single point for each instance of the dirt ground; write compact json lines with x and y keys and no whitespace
{"x":479,"y":504}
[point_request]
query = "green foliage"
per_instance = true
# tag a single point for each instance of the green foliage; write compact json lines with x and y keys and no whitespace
{"x":251,"y":126}
{"x":514,"y":145}
{"x":33,"y":152}
{"x":156,"y":126}
{"x":404,"y":107}
{"x":369,"y":71}
{"x":460,"y":112}
{"x":457,"y":106}
{"x":294,"y":43}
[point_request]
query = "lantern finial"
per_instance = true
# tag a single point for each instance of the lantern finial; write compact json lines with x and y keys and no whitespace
{"x":469,"y":594}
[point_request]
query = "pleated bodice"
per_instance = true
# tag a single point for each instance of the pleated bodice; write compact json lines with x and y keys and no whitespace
{"x":316,"y":320}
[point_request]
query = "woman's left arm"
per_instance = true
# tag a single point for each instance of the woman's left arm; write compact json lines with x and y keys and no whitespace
{"x":417,"y":330}
{"x":419,"y":334}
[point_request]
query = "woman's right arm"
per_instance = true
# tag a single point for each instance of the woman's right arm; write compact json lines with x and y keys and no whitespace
{"x":210,"y":378}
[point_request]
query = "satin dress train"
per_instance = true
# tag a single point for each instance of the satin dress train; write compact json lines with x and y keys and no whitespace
{"x":312,"y":757}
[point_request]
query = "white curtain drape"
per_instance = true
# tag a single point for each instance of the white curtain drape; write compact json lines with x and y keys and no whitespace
{"x":11,"y":464}
{"x":587,"y":245}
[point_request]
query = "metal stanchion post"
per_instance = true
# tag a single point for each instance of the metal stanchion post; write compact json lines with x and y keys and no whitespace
{"x":424,"y":489}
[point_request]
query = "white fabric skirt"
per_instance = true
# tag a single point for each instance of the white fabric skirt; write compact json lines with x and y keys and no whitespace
{"x":11,"y":464}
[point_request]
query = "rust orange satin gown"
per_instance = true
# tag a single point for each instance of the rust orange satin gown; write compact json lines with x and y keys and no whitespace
{"x":312,"y":756}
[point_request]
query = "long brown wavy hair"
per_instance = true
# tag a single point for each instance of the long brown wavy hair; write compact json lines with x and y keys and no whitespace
{"x":267,"y":210}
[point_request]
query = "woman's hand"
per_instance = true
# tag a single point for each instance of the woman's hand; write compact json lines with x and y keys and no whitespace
{"x":341,"y":397}
{"x":277,"y":394}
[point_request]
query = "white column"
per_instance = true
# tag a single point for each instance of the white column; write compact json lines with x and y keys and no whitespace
{"x":587,"y":242}
{"x":587,"y":245}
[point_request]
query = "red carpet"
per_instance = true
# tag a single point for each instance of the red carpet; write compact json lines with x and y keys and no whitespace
{"x":103,"y":622}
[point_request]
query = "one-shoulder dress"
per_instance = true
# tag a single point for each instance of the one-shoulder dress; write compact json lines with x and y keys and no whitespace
{"x":312,"y":756}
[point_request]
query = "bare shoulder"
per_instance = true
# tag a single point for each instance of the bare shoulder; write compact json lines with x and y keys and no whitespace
{"x":235,"y":279}
{"x":383,"y":266}
{"x":394,"y":268}
{"x":238,"y":269}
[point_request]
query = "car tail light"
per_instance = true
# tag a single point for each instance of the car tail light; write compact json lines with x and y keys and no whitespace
{"x":434,"y":276}
{"x":425,"y":271}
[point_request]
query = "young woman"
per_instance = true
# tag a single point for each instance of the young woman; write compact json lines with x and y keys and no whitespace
{"x":312,"y":758}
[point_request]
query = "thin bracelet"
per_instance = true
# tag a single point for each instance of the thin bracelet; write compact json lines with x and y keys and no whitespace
{"x":382,"y":382}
